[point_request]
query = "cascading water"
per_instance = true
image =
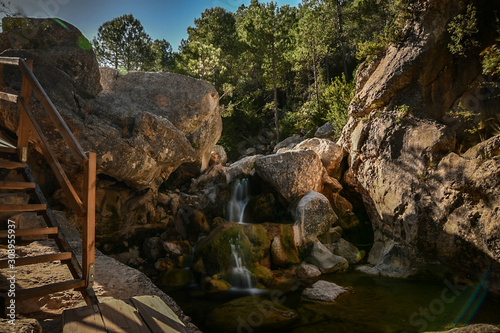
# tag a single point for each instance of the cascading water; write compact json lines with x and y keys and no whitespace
{"x":239,"y":199}
{"x":240,"y":275}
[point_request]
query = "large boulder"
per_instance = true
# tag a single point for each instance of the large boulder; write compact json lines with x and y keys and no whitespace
{"x":143,"y":126}
{"x":329,"y":152}
{"x":429,"y":202}
{"x":314,"y":216}
{"x":292,"y":173}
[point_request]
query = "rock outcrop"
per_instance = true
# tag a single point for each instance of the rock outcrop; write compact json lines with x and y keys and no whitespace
{"x":292,"y":173}
{"x":430,"y":202}
{"x":142,"y":125}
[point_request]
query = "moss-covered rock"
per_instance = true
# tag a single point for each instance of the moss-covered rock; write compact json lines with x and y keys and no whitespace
{"x":211,"y":285}
{"x":175,"y":278}
{"x":215,"y":250}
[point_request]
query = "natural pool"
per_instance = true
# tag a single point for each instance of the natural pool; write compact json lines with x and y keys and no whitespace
{"x":374,"y":304}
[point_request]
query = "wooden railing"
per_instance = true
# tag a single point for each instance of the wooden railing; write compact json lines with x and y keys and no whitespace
{"x":83,"y":206}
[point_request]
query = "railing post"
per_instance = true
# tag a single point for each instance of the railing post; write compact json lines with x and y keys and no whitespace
{"x":23,"y":128}
{"x":88,"y":241}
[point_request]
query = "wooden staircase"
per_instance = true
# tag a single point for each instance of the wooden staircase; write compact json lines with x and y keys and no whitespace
{"x":14,"y":158}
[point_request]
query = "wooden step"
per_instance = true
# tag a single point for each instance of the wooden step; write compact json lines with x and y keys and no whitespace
{"x":36,"y":259}
{"x":83,"y":320}
{"x":23,"y":208}
{"x":6,"y":185}
{"x":23,"y":294}
{"x":11,"y":165}
{"x":157,"y":315}
{"x":8,"y":150}
{"x":31,"y":232}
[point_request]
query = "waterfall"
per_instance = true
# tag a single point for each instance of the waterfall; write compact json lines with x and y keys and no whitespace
{"x":239,"y":200}
{"x":240,"y":275}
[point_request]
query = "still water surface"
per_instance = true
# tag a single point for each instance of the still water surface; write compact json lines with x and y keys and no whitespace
{"x":374,"y":304}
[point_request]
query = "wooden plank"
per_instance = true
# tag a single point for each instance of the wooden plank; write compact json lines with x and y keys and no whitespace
{"x":82,"y":320}
{"x":5,"y":143}
{"x":2,"y":86}
{"x":23,"y":294}
{"x":8,"y":97}
{"x":9,"y":61}
{"x":54,"y":164}
{"x":51,"y":110}
{"x":158,"y":316}
{"x":8,"y":150}
{"x":31,"y":232}
{"x":23,"y":208}
{"x":8,"y":185}
{"x":88,"y":237}
{"x":23,"y":127}
{"x":11,"y":165}
{"x":119,"y":317}
{"x":4,"y":263}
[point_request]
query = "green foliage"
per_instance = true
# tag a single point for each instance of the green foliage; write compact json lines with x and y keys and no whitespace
{"x":463,"y":31}
{"x":385,"y":21}
{"x":123,"y":42}
{"x":334,"y":103}
{"x":474,"y":124}
{"x":337,"y":98}
{"x":369,"y":49}
{"x":161,"y":57}
{"x":491,"y":59}
{"x":403,"y":111}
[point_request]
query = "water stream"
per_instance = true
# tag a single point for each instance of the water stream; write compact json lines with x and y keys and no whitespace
{"x":240,"y":275}
{"x":240,"y":195}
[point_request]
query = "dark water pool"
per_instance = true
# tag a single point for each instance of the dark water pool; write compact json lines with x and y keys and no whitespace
{"x":374,"y":304}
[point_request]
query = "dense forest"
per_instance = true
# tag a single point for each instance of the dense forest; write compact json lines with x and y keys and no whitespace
{"x":278,"y":70}
{"x":283,"y":70}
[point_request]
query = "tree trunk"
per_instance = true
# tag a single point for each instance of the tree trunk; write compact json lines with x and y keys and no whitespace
{"x":316,"y":88}
{"x":275,"y":90}
{"x":341,"y":36}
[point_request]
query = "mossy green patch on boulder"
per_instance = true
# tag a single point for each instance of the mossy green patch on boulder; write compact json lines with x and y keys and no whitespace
{"x":215,"y":249}
{"x":263,"y":275}
{"x":260,"y":240}
{"x":176,"y":278}
{"x":211,"y":285}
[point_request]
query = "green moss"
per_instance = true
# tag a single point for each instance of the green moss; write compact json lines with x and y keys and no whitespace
{"x":215,"y":250}
{"x":288,"y":243}
{"x":259,"y":238}
{"x":176,"y":278}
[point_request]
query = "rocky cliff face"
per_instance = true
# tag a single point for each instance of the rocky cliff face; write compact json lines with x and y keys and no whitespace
{"x":433,"y":194}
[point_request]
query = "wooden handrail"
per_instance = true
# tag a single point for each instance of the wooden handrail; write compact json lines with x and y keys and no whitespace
{"x":54,"y":164}
{"x":84,"y":208}
{"x":51,"y":110}
{"x":10,"y":61}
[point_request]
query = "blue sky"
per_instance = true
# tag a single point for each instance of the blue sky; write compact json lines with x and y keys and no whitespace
{"x":167,"y":19}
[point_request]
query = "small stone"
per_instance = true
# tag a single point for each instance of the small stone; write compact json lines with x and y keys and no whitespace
{"x":306,"y":271}
{"x":323,"y":291}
